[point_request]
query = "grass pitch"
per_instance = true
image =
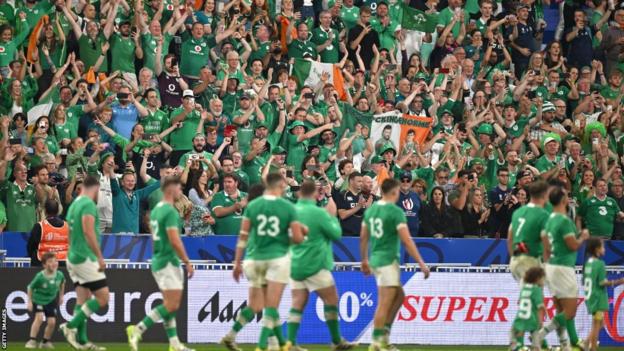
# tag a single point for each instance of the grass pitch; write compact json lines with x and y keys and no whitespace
{"x":213,"y":347}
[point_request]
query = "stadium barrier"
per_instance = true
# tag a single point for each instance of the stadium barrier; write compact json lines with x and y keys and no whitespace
{"x":221,"y":248}
{"x":457,"y":305}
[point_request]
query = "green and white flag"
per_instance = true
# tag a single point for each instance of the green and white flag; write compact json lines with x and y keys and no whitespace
{"x":417,"y":20}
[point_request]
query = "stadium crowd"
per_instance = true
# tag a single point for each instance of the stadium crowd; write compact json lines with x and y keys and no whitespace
{"x":134,"y":91}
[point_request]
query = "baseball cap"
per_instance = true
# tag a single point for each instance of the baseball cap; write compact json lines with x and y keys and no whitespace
{"x":524,"y":173}
{"x":406,"y":175}
{"x":188,"y":93}
{"x":551,"y":137}
{"x":245,"y":96}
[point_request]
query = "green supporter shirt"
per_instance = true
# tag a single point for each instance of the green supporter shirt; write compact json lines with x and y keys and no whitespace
{"x":530,"y":302}
{"x":383,"y":221}
{"x":79,"y":250}
{"x":123,"y":53}
{"x":45,"y":288}
{"x":527,"y":224}
{"x":230,"y":224}
{"x":155,"y":122}
{"x":182,"y":138}
{"x":253,"y":168}
{"x":446,"y":17}
{"x":331,"y":53}
{"x":149,"y":43}
{"x":350,"y":16}
{"x":195,"y":54}
{"x":245,"y":132}
{"x":296,"y":152}
{"x":22,"y":206}
{"x":263,"y":49}
{"x":298,"y":48}
{"x":8,"y":49}
{"x":90,"y":50}
{"x":270,"y":219}
{"x":557,"y":228}
{"x":324,"y":155}
{"x":543,"y":164}
{"x":162,"y":218}
{"x":7,"y":14}
{"x":594,"y":274}
{"x":599,"y":215}
{"x":315,"y":252}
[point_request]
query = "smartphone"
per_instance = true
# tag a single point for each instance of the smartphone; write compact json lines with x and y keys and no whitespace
{"x":79,"y":170}
{"x":63,"y":152}
{"x":15,"y":141}
{"x":531,"y":95}
{"x":289,"y":173}
{"x":174,"y":61}
{"x":312,"y":168}
{"x":391,"y":67}
{"x":227,"y":132}
{"x":444,"y":70}
{"x":122,"y":96}
{"x":147,"y":136}
{"x":295,"y":188}
{"x":308,"y":95}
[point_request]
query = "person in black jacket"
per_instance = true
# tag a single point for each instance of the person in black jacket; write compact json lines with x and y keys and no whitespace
{"x":439,"y":220}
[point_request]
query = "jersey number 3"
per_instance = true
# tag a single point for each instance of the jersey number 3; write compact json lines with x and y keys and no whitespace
{"x":268,"y":225}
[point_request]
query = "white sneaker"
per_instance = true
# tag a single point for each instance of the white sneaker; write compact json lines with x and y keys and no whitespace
{"x":273,"y":344}
{"x":230,"y":343}
{"x":46,"y":345}
{"x":182,"y":347}
{"x":31,"y":344}
{"x":70,"y":336}
{"x":93,"y":347}
{"x":133,"y":337}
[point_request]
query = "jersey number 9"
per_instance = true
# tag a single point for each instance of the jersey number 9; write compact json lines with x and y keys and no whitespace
{"x":524,"y":308}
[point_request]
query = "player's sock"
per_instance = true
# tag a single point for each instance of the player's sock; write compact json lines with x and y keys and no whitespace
{"x":155,"y":315}
{"x":82,"y":328}
{"x":562,"y":333}
{"x":172,"y":331}
{"x":83,"y":313}
{"x":244,"y":317}
{"x":270,"y":319}
{"x":571,"y":327}
{"x":294,"y":321}
{"x":558,"y":321}
{"x":331,"y":319}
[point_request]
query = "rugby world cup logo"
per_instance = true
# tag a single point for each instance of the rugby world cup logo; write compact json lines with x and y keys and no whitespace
{"x":614,"y":322}
{"x":408,"y":204}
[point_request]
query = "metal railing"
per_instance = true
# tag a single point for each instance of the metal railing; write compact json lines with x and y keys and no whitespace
{"x":24,"y":262}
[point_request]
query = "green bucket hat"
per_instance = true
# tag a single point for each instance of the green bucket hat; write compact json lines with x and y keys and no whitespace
{"x":376,"y":159}
{"x":485,"y":128}
{"x":297,"y":124}
{"x":477,"y":160}
{"x":443,"y":111}
{"x":387,"y":147}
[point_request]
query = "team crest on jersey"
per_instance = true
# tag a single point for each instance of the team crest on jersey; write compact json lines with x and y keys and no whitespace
{"x":1,"y":49}
{"x":197,"y":48}
{"x":170,"y":7}
{"x":515,"y":127}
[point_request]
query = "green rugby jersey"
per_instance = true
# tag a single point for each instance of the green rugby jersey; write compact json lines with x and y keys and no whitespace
{"x":530,"y":301}
{"x":79,"y":250}
{"x":383,"y":221}
{"x":45,"y":288}
{"x":162,"y":218}
{"x":557,"y":228}
{"x":527,"y":223}
{"x":596,"y":297}
{"x":270,"y":219}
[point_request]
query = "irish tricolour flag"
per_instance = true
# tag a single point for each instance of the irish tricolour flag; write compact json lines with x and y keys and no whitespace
{"x":309,"y":73}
